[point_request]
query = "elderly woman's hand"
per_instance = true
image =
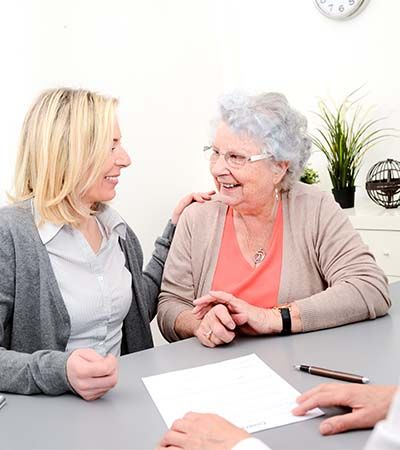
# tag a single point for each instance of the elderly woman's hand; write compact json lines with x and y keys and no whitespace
{"x":252,"y":320}
{"x":200,"y":197}
{"x":217,"y":327}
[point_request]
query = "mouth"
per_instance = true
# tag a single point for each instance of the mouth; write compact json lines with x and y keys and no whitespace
{"x":112,"y":179}
{"x":229,"y":185}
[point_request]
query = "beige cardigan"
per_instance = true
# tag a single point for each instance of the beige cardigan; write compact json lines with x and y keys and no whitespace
{"x":326,"y":268}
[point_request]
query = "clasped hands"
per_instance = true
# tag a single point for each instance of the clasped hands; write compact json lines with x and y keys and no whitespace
{"x":222,"y":315}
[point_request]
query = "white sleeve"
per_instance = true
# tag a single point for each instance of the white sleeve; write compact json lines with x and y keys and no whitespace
{"x":251,"y":444}
{"x":386,"y":434}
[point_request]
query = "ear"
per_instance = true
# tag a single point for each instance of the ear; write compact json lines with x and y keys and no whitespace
{"x":280,"y":169}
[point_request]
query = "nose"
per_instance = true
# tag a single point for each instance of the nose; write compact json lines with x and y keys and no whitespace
{"x":122,"y":158}
{"x":220,"y":166}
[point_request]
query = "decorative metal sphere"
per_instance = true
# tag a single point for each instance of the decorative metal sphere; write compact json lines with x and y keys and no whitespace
{"x":383,"y":183}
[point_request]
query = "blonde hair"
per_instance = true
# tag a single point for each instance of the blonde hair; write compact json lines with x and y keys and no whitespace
{"x":65,"y":141}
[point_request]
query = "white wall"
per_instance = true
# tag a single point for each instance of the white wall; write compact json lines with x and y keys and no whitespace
{"x":168,"y":61}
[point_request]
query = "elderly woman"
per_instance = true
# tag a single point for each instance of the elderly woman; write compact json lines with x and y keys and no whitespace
{"x":270,"y":255}
{"x":73,"y":295}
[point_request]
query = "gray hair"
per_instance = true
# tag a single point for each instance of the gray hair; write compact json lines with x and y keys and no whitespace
{"x":269,"y":120}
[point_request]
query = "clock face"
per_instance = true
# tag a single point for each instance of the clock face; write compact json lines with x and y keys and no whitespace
{"x":339,"y":9}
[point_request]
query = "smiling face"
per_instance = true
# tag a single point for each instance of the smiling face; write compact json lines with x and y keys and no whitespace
{"x":104,"y":188}
{"x":248,"y":188}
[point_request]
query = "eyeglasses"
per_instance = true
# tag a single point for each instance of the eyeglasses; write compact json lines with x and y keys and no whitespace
{"x":234,"y":160}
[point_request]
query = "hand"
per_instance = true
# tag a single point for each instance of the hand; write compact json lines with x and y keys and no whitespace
{"x":252,"y":319}
{"x":90,"y":374}
{"x":202,"y":432}
{"x":369,"y":404}
{"x":216,"y":327}
{"x":200,"y":197}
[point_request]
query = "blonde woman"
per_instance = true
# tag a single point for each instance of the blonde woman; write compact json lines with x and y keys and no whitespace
{"x":73,"y":295}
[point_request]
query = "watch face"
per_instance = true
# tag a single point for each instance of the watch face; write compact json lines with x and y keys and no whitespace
{"x":339,"y":9}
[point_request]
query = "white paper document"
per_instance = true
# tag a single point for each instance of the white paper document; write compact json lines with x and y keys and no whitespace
{"x":244,"y":390}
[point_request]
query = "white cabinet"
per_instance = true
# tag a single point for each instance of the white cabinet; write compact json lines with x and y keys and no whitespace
{"x":380,"y":230}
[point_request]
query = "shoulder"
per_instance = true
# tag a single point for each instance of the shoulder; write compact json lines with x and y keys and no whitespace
{"x":306,"y":197}
{"x":204,"y":212}
{"x":306,"y":192}
{"x":16,"y":226}
{"x":15,"y":216}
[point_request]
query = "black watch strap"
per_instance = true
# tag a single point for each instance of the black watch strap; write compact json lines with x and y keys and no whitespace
{"x":286,"y":321}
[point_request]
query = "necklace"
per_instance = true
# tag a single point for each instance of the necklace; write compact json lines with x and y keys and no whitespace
{"x":260,"y":254}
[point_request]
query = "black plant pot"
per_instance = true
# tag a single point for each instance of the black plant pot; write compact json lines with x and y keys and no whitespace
{"x":345,"y":196}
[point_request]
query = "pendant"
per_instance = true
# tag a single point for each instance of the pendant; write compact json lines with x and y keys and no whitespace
{"x":259,"y":256}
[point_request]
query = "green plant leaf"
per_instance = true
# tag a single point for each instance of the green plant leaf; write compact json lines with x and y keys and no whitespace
{"x":346,"y":134}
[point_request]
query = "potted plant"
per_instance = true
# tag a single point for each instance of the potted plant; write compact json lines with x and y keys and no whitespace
{"x":310,"y":176}
{"x":347,"y":133}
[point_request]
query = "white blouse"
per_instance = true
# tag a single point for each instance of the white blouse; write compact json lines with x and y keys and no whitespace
{"x":96,"y":287}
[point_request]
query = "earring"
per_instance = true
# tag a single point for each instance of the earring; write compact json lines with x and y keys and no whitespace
{"x":276,"y":194}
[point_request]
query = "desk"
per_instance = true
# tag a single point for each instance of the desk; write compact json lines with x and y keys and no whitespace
{"x":126,"y":418}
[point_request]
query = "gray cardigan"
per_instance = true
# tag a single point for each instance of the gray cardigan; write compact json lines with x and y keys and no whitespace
{"x":34,"y":323}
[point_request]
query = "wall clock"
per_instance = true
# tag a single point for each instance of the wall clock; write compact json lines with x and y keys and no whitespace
{"x":340,"y":9}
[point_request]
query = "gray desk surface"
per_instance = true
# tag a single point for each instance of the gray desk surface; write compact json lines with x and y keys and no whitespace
{"x":126,"y":418}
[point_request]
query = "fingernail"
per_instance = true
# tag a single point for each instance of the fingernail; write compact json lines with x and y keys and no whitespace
{"x":326,"y":428}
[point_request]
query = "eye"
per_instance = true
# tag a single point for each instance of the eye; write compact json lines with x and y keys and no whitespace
{"x":236,"y":158}
{"x":215,"y":151}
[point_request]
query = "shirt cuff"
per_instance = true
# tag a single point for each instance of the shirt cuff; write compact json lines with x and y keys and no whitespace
{"x":251,"y":444}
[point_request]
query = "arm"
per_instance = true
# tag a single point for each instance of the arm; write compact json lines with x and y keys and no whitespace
{"x":357,"y":289}
{"x":23,"y":373}
{"x":152,"y":274}
{"x":146,"y":283}
{"x":174,"y":315}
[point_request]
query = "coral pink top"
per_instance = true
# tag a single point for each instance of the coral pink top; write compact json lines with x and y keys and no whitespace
{"x":259,"y":285}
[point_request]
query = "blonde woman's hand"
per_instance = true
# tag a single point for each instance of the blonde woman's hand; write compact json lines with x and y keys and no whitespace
{"x":251,"y":320}
{"x":90,"y":374}
{"x":200,"y":197}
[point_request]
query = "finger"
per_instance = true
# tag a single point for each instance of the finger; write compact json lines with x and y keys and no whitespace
{"x":101,"y":369}
{"x":305,"y":395}
{"x":88,"y":354}
{"x":222,"y":314}
{"x":179,"y":425}
{"x":200,"y":311}
{"x":222,"y":297}
{"x":344,"y":422}
{"x":216,"y":340}
{"x":202,"y":336}
{"x":96,"y":384}
{"x":320,"y":400}
{"x":93,"y":395}
{"x":204,"y":300}
{"x":170,"y":447}
{"x":172,"y":437}
{"x":197,"y":198}
{"x":240,"y":318}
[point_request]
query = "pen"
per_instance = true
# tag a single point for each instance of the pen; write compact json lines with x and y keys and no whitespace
{"x":332,"y":374}
{"x":3,"y":401}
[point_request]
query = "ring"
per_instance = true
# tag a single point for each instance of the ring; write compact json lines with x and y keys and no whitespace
{"x":208,"y":334}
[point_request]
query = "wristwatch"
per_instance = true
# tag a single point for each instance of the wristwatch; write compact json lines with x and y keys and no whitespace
{"x":286,"y":321}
